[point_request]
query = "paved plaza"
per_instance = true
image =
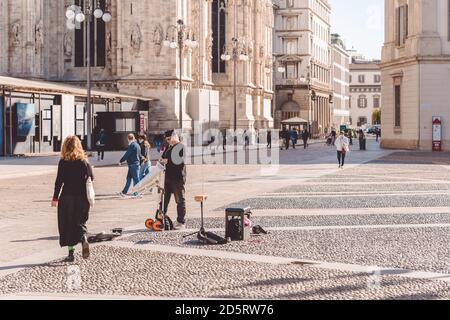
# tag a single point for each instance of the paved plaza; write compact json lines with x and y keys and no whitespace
{"x":379,"y":229}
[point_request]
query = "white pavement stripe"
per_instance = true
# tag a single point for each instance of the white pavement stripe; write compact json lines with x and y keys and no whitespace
{"x":351,"y":193}
{"x":305,"y":195}
{"x":352,"y":211}
{"x":369,"y":270}
{"x":364,"y":183}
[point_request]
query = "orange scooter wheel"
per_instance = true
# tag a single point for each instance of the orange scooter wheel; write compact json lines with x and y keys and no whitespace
{"x":158,"y":226}
{"x":149,"y":224}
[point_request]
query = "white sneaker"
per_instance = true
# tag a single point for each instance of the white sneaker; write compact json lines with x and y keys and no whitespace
{"x":179,"y":226}
{"x":121,"y":194}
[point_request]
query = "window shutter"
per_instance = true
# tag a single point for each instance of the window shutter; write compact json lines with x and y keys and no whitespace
{"x":397,"y":26}
{"x":405,"y":23}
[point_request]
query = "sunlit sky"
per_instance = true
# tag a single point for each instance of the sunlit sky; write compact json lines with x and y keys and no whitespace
{"x":361,"y":25}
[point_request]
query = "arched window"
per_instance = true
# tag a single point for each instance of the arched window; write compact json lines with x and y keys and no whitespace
{"x":97,"y":36}
{"x":219,"y":35}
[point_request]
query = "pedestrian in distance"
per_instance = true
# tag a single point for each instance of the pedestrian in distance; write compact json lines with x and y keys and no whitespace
{"x":100,"y":144}
{"x":269,"y":139}
{"x":294,"y":137}
{"x":175,"y":177}
{"x":362,"y":140}
{"x":333,"y":137}
{"x":145,"y":156}
{"x":284,"y":135}
{"x":342,"y":147}
{"x":377,"y":134}
{"x":305,"y":137}
{"x":72,"y":202}
{"x":133,"y":159}
{"x":246,"y":140}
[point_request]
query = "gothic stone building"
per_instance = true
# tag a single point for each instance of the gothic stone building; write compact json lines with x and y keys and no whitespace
{"x":128,"y":55}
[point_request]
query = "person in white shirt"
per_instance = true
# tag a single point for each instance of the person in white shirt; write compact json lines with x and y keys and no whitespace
{"x":342,"y":147}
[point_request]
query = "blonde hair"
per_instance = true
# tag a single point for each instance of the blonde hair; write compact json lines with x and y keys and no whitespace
{"x":72,"y":150}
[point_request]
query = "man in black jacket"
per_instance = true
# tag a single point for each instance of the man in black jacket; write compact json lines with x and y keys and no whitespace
{"x":173,"y":159}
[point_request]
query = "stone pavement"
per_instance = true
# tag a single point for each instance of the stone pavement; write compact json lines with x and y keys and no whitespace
{"x":377,"y":230}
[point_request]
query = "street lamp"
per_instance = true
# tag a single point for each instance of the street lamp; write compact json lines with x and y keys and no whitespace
{"x":76,"y":14}
{"x":180,"y":37}
{"x":236,"y":51}
{"x":281,"y":69}
{"x":311,"y":97}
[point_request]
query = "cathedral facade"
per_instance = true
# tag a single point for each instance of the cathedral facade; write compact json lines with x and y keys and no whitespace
{"x":128,"y":55}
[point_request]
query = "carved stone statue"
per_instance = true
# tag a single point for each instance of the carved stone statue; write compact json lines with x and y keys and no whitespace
{"x":136,"y":39}
{"x":39,"y":36}
{"x":16,"y":33}
{"x":158,"y":35}
{"x":209,"y":45}
{"x":68,"y":45}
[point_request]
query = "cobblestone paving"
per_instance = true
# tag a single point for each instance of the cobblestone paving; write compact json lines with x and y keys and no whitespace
{"x":331,"y":220}
{"x":381,"y":201}
{"x":424,"y":249}
{"x":373,"y":187}
{"x":119,"y":271}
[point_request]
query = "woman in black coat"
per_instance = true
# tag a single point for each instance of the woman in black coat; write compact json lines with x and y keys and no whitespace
{"x":72,"y":202}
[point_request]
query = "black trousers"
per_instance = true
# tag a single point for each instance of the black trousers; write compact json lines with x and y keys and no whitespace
{"x":101,"y":152}
{"x":341,"y":158}
{"x":179,"y":191}
{"x":73,"y":214}
{"x":305,"y":144}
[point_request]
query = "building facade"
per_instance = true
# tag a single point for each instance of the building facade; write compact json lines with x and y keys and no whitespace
{"x":365,"y":92}
{"x":415,"y":73}
{"x":341,"y":85}
{"x":303,"y":48}
{"x":128,"y":55}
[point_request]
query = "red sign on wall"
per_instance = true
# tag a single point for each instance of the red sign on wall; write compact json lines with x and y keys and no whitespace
{"x":142,"y":124}
{"x":437,"y":134}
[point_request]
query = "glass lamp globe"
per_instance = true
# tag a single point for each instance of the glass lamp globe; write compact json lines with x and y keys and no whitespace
{"x":98,"y":13}
{"x":223,"y":57}
{"x":70,"y":14}
{"x":70,"y":24}
{"x":227,"y":57}
{"x":173,"y":45}
{"x":166,"y":43}
{"x":281,"y":70}
{"x":188,"y":42}
{"x":80,"y":17}
{"x":107,"y":17}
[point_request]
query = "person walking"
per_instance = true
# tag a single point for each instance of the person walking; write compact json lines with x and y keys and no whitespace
{"x":72,"y":202}
{"x":284,"y":134}
{"x":175,"y":178}
{"x":342,"y":147}
{"x":294,"y":137}
{"x":246,"y":140}
{"x":145,"y":156}
{"x":362,"y":140}
{"x":377,"y":134}
{"x":132,"y":157}
{"x":100,"y":143}
{"x":333,"y":137}
{"x":305,"y":137}
{"x":269,"y":139}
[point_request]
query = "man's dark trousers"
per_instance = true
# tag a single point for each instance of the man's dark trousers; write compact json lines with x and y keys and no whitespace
{"x":178,"y":190}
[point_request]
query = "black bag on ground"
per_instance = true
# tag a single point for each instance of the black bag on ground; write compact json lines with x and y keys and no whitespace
{"x":210,"y":238}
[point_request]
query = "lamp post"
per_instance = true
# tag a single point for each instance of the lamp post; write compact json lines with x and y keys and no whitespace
{"x":77,"y":14}
{"x":236,"y":50}
{"x":280,"y":68}
{"x":179,"y":37}
{"x":311,"y":97}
